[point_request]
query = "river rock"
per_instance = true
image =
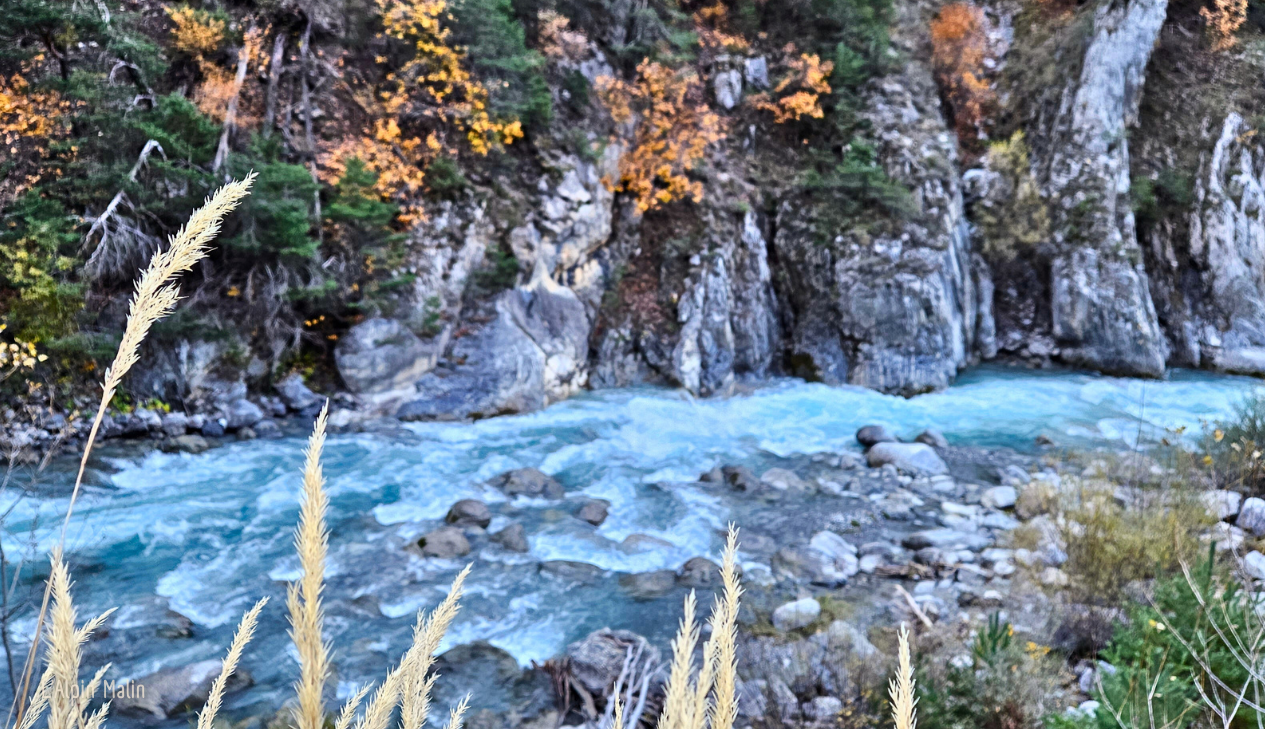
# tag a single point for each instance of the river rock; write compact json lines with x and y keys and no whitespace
{"x":829,"y":569}
{"x":740,"y":478}
{"x":797,"y":614}
{"x":191,"y":443}
{"x":597,"y":660}
{"x":916,"y":458}
{"x":933,"y":438}
{"x":529,"y":482}
{"x":581,"y":572}
{"x":1254,"y":565}
{"x":175,"y":424}
{"x":1252,"y":516}
{"x":294,"y":393}
{"x":648,"y":585}
{"x":445,"y":543}
{"x":242,"y":413}
{"x":173,"y":691}
{"x":999,"y":497}
{"x":699,"y":572}
{"x":1223,"y":504}
{"x":594,"y":511}
{"x":378,"y":355}
{"x":513,"y":538}
{"x":781,"y":479}
{"x":870,"y":435}
{"x":945,"y":539}
{"x":469,"y":512}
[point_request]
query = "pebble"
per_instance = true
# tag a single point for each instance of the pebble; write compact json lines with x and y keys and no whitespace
{"x":797,"y":614}
{"x":1254,"y":565}
{"x":999,"y":497}
{"x":1053,"y":577}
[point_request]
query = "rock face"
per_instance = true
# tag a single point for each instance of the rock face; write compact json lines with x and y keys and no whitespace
{"x":901,"y":311}
{"x":1102,"y":315}
{"x":378,"y":355}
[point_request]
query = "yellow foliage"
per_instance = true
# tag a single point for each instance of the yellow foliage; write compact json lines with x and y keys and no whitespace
{"x":196,"y":32}
{"x":28,"y":119}
{"x":1224,"y":20}
{"x":959,"y":45}
{"x":709,"y":25}
{"x":434,"y":83}
{"x":434,"y":92}
{"x":799,"y":93}
{"x":674,"y":127}
{"x":18,"y":355}
{"x":558,"y":41}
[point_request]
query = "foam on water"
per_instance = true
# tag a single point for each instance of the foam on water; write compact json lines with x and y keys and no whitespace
{"x":212,"y":532}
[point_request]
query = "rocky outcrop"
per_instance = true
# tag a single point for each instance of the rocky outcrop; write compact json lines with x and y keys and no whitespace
{"x":1102,"y":315}
{"x":1214,"y":282}
{"x":901,"y":310}
{"x":381,"y":355}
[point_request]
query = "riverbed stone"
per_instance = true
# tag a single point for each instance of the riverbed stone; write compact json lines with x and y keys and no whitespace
{"x":1252,"y":516}
{"x":740,"y":478}
{"x":445,"y":543}
{"x":699,"y":572}
{"x":873,"y":434}
{"x":529,"y":482}
{"x":469,"y":512}
{"x":1223,"y":504}
{"x":796,"y":614}
{"x":513,"y":538}
{"x":823,"y":708}
{"x":191,"y":443}
{"x":933,"y":438}
{"x":175,"y":424}
{"x":783,"y":479}
{"x":945,"y":538}
{"x":999,"y":497}
{"x":916,"y":458}
{"x":648,"y":585}
{"x":594,"y":511}
{"x":170,"y":692}
{"x":581,"y":572}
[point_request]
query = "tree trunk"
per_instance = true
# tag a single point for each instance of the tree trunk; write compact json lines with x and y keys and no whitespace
{"x":274,"y":77}
{"x":305,"y":53}
{"x":230,"y":115}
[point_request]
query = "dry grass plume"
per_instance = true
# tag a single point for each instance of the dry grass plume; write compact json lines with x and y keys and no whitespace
{"x":311,"y":540}
{"x":901,"y":688}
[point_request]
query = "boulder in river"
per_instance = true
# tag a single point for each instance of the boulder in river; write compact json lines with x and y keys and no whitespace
{"x":782,"y":479}
{"x":191,"y":443}
{"x":173,"y":691}
{"x":699,"y":572}
{"x":933,"y":438}
{"x":445,"y":543}
{"x":469,"y":512}
{"x":872,"y":435}
{"x":513,"y":538}
{"x":594,"y":511}
{"x":529,"y":482}
{"x":740,"y":478}
{"x":581,"y":572}
{"x":648,"y":585}
{"x":917,"y":458}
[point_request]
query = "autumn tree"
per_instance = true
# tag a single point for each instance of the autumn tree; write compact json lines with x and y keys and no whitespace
{"x":1224,"y":20}
{"x":800,"y":91}
{"x":673,"y":126}
{"x":418,"y":108}
{"x":959,"y":46}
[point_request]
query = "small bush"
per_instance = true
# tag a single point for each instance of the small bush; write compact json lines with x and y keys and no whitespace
{"x":1012,"y":217}
{"x":1233,"y":449}
{"x":959,"y":42}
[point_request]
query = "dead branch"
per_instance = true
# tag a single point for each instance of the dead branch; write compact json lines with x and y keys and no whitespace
{"x":230,"y":116}
{"x":274,"y":77}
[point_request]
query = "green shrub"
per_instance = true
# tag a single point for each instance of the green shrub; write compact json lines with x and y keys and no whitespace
{"x":495,"y":43}
{"x":444,"y":178}
{"x":1013,"y":217}
{"x":38,"y":258}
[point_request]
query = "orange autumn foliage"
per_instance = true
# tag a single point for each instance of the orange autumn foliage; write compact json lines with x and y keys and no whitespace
{"x":673,"y":128}
{"x":200,"y":34}
{"x":436,"y":94}
{"x":959,"y":46}
{"x":558,"y":41}
{"x":1223,"y":21}
{"x":29,"y":119}
{"x":709,"y":24}
{"x":799,"y":93}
